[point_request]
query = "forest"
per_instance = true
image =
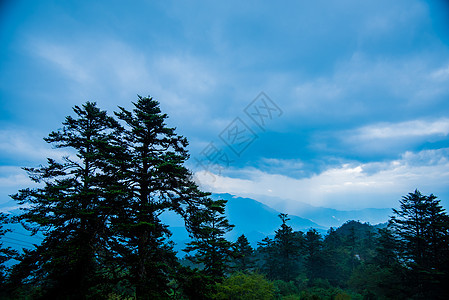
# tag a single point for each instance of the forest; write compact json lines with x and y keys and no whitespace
{"x":99,"y":210}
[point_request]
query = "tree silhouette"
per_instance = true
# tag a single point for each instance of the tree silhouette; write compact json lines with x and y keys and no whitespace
{"x":422,"y":227}
{"x":243,"y":254}
{"x":71,"y":207}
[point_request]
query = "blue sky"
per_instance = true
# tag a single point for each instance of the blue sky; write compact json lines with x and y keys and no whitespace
{"x":358,"y":91}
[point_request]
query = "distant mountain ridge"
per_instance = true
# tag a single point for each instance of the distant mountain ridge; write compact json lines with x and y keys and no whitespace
{"x":302,"y":217}
{"x":257,"y":220}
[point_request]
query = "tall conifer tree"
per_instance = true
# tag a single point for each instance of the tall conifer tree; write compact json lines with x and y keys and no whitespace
{"x":209,"y":244}
{"x":422,"y":227}
{"x":70,"y":207}
{"x":154,"y":180}
{"x":243,"y":253}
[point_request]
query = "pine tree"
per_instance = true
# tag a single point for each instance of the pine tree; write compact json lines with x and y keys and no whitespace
{"x":314,"y":258}
{"x":153,"y":180}
{"x":210,"y":247}
{"x":386,"y":250}
{"x":289,"y":246}
{"x":336,"y":257}
{"x":100,"y":211}
{"x":6,"y":253}
{"x":70,"y":208}
{"x":281,"y":255}
{"x":243,"y":255}
{"x":422,"y":227}
{"x":268,"y":257}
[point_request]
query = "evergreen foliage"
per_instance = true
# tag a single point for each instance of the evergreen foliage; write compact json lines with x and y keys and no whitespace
{"x":422,"y":229}
{"x":6,"y":253}
{"x":71,"y":208}
{"x":149,"y":167}
{"x":246,"y":287}
{"x":209,"y":245}
{"x":99,"y":210}
{"x":243,"y":255}
{"x":281,"y":256}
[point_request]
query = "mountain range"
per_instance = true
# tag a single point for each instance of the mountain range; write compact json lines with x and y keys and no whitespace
{"x":254,"y":219}
{"x":257,"y":220}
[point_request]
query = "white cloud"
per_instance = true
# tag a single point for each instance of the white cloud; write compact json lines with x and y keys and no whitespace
{"x":348,"y":186}
{"x":98,"y":68}
{"x":25,"y":149}
{"x":12,"y":179}
{"x":441,"y":74}
{"x":362,"y":86}
{"x":67,"y":61}
{"x":381,"y":21}
{"x":117,"y":64}
{"x":12,"y":176}
{"x":187,"y":73}
{"x":389,"y":138}
{"x":94,"y":62}
{"x":23,"y":145}
{"x":408,"y":129}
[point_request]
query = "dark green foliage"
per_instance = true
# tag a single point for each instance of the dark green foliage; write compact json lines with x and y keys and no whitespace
{"x":209,"y":245}
{"x":100,"y":211}
{"x":288,"y":245}
{"x":386,"y":251}
{"x":338,"y":259}
{"x":422,"y":227}
{"x":71,"y":207}
{"x":284,"y":289}
{"x":6,"y":253}
{"x":376,"y":282}
{"x":314,"y":256}
{"x":281,"y":256}
{"x":194,"y":284}
{"x":355,"y":261}
{"x":243,"y":255}
{"x":245,"y":286}
{"x":152,"y":179}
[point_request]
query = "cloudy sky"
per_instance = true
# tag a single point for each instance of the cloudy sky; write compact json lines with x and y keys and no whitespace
{"x":342,"y":104}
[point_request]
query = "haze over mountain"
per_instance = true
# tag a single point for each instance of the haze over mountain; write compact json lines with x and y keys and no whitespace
{"x":257,"y":220}
{"x":249,"y":213}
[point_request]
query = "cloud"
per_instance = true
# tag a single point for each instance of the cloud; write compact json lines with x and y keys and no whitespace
{"x":408,"y":129}
{"x":385,"y":138}
{"x":441,"y":74}
{"x":347,"y":186}
{"x":26,"y":146}
{"x":66,"y":61}
{"x":368,"y":88}
{"x":122,"y":65}
{"x":399,"y":17}
{"x":12,"y":176}
{"x":109,"y":70}
{"x":12,"y":179}
{"x":90,"y":61}
{"x":20,"y":148}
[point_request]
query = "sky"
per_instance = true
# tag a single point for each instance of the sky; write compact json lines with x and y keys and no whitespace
{"x":342,"y":104}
